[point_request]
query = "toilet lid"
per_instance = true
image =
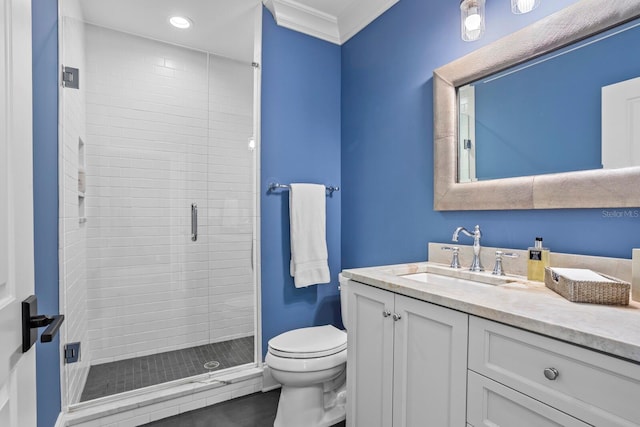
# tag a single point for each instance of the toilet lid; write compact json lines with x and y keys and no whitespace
{"x":306,"y":343}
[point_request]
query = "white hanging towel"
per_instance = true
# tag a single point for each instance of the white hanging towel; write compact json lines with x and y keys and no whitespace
{"x":309,"y":259}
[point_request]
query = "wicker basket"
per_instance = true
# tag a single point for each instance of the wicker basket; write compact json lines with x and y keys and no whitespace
{"x":612,"y":293}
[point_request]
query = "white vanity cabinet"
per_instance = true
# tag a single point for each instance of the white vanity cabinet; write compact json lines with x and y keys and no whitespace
{"x":521,"y":378}
{"x":406,"y":361}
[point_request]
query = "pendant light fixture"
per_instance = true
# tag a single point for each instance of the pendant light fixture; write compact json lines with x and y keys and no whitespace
{"x":471,"y":19}
{"x":523,"y":6}
{"x":472,"y":16}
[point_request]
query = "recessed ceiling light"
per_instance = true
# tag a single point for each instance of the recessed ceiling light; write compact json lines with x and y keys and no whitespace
{"x":180,"y":22}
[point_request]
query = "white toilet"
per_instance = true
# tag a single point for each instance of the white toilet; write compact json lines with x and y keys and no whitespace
{"x":310,"y":363}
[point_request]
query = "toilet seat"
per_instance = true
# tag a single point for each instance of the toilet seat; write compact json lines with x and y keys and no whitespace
{"x":309,"y":343}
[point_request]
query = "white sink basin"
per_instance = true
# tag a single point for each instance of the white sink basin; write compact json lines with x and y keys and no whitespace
{"x":438,"y":279}
{"x":444,"y":275}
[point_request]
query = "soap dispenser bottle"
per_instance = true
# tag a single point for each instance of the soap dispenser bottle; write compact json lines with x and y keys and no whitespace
{"x":538,"y":259}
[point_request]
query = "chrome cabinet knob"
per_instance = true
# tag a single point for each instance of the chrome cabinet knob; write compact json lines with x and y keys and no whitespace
{"x":396,"y":317}
{"x":551,"y":373}
{"x":386,"y":313}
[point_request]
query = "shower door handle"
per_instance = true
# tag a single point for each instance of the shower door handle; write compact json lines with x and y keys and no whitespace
{"x":194,"y":221}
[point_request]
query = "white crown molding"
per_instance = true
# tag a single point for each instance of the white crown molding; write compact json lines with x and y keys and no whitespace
{"x":304,"y":19}
{"x":357,"y":14}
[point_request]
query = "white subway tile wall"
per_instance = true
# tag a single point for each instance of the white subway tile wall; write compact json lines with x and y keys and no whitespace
{"x":153,"y":148}
{"x":72,"y":241}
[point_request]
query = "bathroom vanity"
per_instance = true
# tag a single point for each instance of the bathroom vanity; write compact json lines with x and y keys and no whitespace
{"x":430,"y":345}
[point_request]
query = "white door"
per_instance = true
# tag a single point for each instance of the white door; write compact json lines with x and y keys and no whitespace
{"x":17,"y":370}
{"x":369,"y":356}
{"x":430,"y":365}
{"x":621,"y":124}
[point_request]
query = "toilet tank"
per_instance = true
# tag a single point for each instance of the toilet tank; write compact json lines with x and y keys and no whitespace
{"x":344,"y":283}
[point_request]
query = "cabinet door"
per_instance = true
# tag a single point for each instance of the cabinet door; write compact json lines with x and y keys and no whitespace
{"x":430,"y":365}
{"x":369,"y":356}
{"x":493,"y":405}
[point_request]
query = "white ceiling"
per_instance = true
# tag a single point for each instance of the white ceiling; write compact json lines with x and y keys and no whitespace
{"x":223,"y":27}
{"x":226,"y":27}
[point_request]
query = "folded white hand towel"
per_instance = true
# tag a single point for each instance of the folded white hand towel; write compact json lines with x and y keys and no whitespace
{"x":307,"y":216}
{"x":581,"y":275}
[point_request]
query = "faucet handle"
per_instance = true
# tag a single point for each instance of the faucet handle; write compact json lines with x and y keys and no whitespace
{"x":498,"y":270}
{"x":455,"y":260}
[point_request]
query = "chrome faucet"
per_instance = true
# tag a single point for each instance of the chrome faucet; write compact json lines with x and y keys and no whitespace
{"x":476,"y":265}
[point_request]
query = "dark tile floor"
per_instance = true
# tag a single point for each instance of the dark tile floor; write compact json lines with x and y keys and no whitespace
{"x":125,"y":375}
{"x":254,"y":410}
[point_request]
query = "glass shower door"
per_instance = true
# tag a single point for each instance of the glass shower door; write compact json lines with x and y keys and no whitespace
{"x":157,"y":212}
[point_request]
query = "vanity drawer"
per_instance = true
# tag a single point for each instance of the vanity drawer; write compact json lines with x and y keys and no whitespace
{"x":490,"y":404}
{"x":598,"y":389}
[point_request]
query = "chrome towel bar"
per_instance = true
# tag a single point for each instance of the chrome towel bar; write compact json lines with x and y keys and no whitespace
{"x":273,"y":186}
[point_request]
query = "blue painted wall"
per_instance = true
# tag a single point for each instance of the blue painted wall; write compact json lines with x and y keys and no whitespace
{"x":300,"y":143}
{"x":387,"y":146}
{"x":45,"y":199}
{"x":510,"y":110}
{"x":360,"y":117}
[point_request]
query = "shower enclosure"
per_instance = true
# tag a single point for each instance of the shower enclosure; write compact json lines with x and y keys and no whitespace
{"x":158,"y":209}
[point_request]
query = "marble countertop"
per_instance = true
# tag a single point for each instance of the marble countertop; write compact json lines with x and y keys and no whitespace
{"x":517,"y":302}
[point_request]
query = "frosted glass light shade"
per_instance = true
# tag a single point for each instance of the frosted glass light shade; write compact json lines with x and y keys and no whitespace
{"x":523,"y":6}
{"x":471,"y":19}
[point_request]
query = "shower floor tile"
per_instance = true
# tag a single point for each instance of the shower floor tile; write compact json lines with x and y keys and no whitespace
{"x":130,"y":374}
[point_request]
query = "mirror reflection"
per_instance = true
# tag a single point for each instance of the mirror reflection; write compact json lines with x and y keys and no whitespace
{"x":550,"y":114}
